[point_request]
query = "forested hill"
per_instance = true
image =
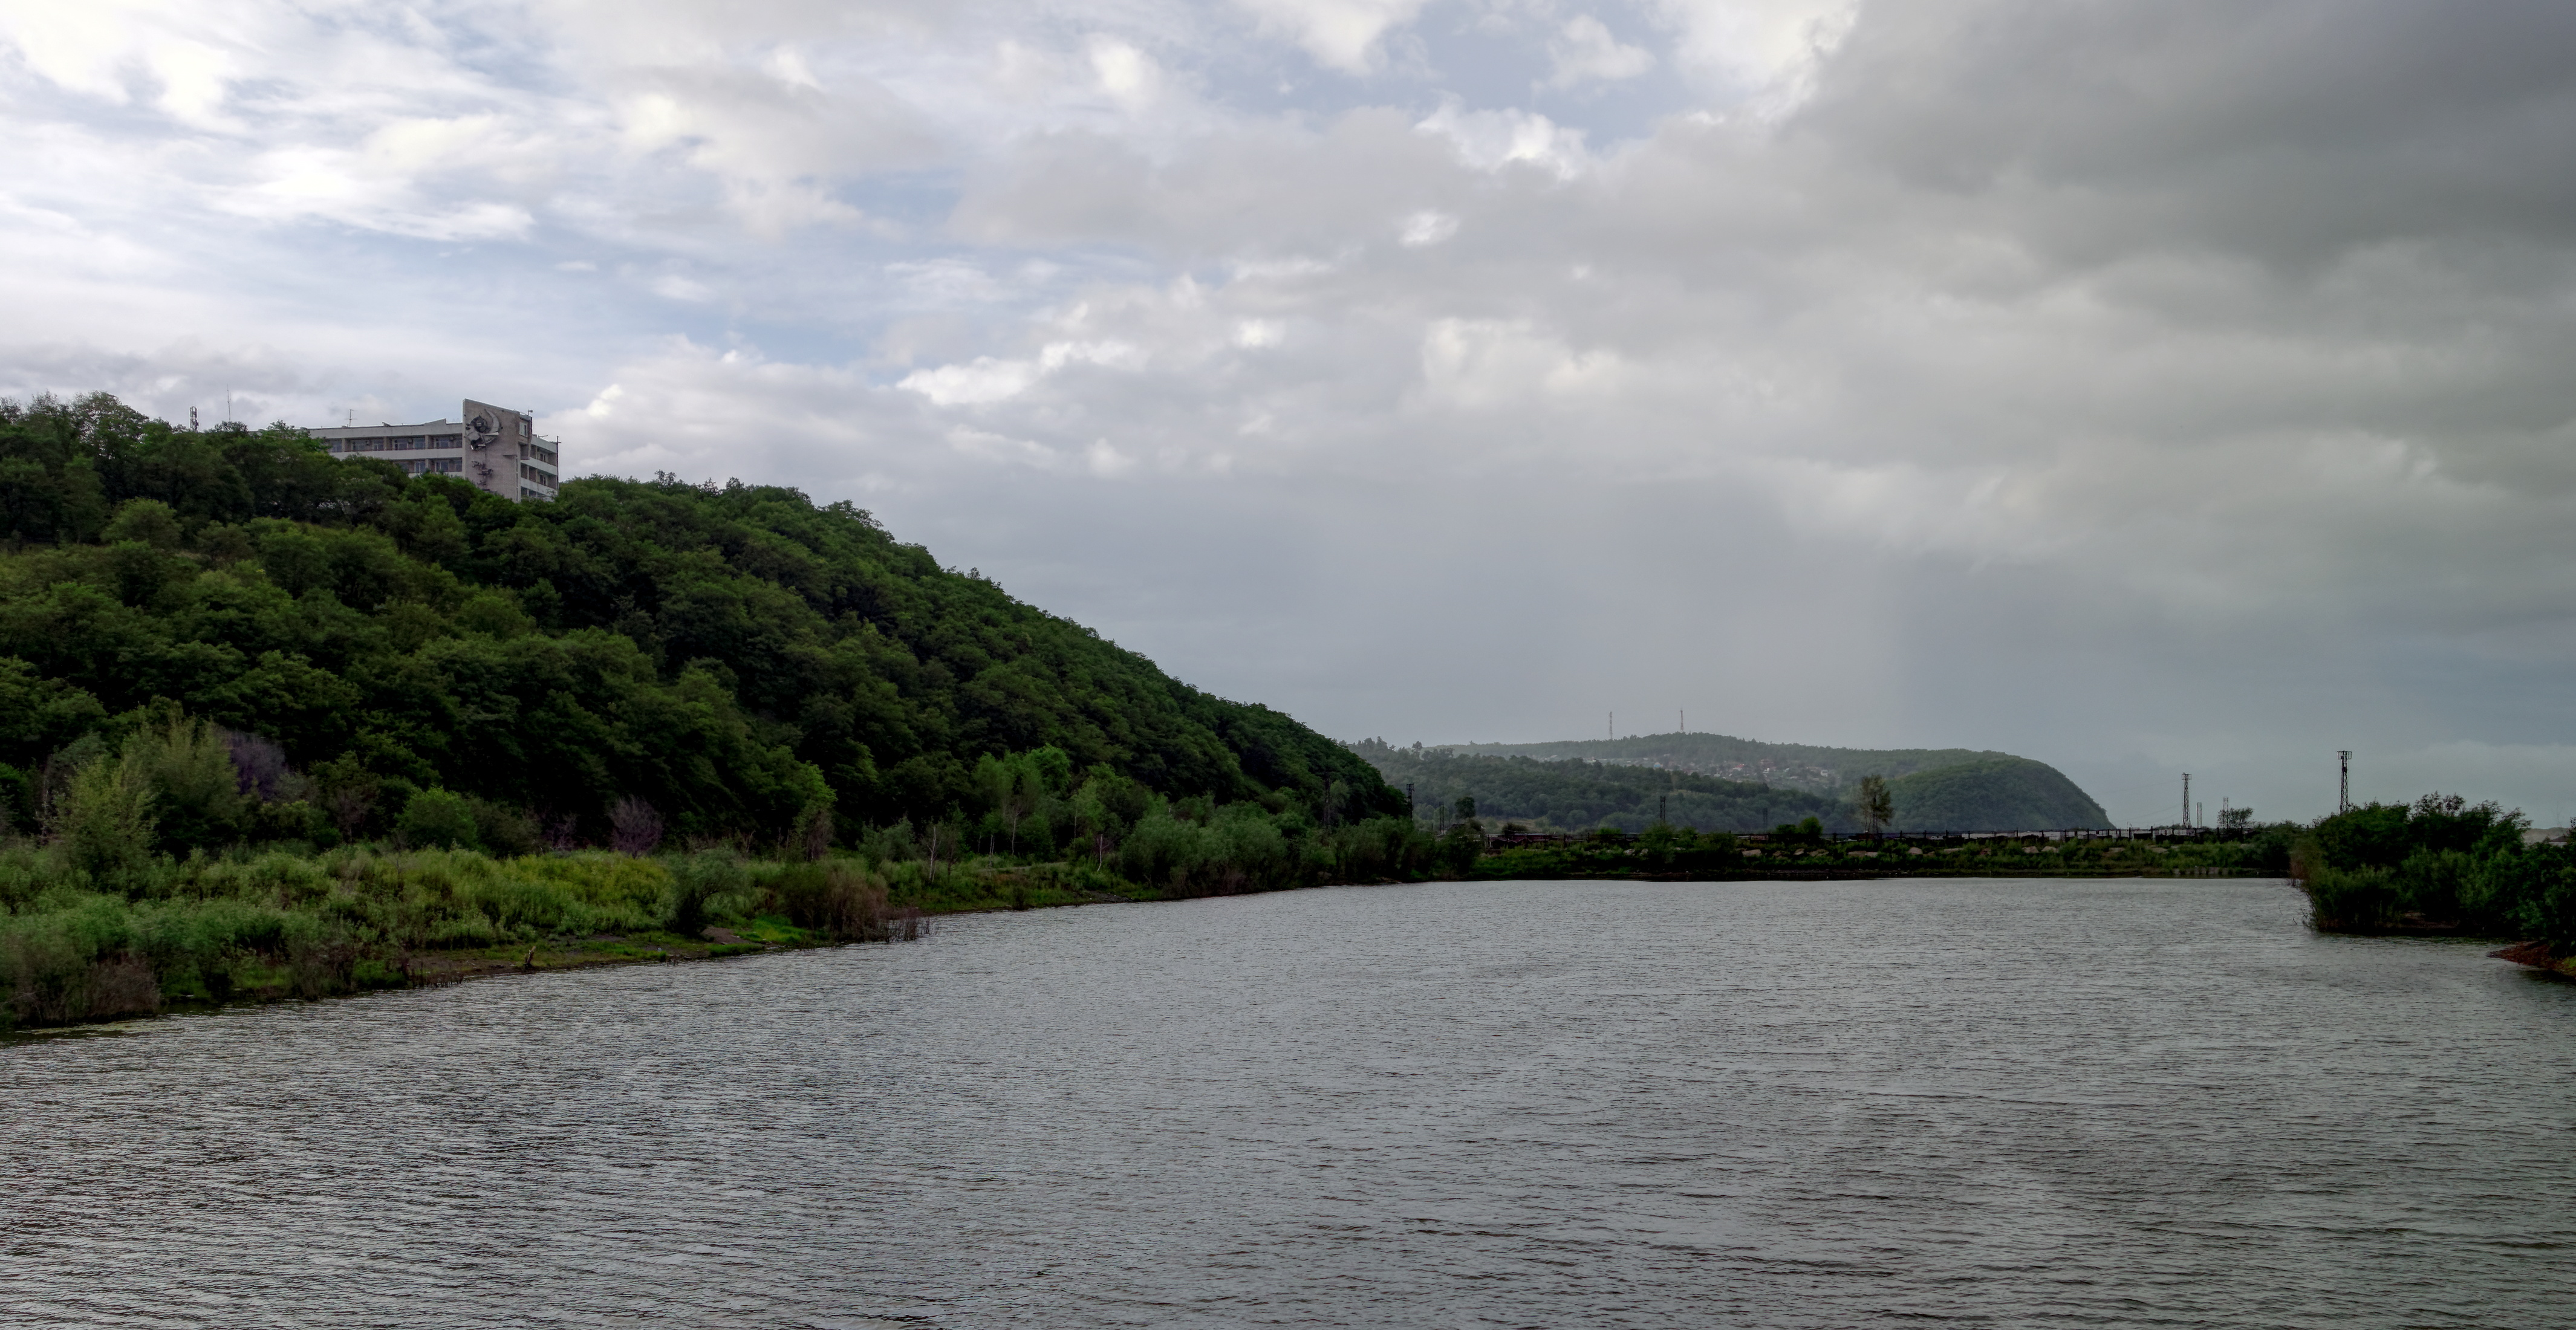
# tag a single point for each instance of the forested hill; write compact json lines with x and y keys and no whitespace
{"x":1983,"y":793}
{"x":1998,"y":794}
{"x":737,"y":656}
{"x":1796,"y":766}
{"x":1578,"y":796}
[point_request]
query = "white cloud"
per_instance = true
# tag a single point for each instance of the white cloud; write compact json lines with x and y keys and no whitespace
{"x":1492,"y":140}
{"x":1340,"y":34}
{"x":1764,"y":51}
{"x":1130,"y":77}
{"x":1585,"y":50}
{"x":1475,"y":364}
{"x":1425,"y":228}
{"x":988,"y":380}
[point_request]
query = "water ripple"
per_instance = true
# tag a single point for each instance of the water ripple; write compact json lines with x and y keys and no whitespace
{"x":1818,"y":1104}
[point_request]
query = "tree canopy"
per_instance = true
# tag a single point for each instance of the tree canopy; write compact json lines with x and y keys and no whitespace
{"x":737,"y":655}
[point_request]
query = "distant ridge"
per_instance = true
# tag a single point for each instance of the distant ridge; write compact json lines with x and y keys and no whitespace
{"x":1796,"y":766}
{"x":1716,"y":782}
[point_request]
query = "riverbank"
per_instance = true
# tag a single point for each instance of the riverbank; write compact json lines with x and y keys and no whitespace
{"x":202,"y":934}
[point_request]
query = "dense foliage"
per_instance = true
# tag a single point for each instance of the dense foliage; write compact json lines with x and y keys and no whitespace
{"x":2440,"y":862}
{"x":273,"y":721}
{"x":738,"y":658}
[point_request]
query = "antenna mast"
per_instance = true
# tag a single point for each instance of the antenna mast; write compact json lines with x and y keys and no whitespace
{"x":2343,"y":783}
{"x":2186,"y":798}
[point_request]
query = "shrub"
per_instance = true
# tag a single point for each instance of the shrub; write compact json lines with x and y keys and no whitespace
{"x":106,"y":824}
{"x":706,"y":886}
{"x":840,"y":899}
{"x":505,"y":832}
{"x":440,"y":818}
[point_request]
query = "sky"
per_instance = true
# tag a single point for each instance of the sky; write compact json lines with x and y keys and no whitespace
{"x":2147,"y":388}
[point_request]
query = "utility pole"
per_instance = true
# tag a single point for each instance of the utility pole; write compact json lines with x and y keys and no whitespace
{"x":2343,"y":785}
{"x":2186,"y":798}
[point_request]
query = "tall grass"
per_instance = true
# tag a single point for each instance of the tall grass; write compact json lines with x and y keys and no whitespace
{"x":80,"y":945}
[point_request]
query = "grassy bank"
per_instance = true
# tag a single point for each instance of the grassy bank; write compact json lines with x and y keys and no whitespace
{"x":204,"y":932}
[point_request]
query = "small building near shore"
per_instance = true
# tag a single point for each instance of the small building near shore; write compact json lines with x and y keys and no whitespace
{"x":492,"y":448}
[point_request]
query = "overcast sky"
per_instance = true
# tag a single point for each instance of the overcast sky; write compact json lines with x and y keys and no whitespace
{"x":2143,"y":387}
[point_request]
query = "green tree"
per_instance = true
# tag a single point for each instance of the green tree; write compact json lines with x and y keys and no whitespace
{"x":1874,"y":806}
{"x":437,"y":817}
{"x":105,"y":823}
{"x":196,"y":790}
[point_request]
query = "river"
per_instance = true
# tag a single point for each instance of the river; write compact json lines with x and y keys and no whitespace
{"x":2004,"y":1103}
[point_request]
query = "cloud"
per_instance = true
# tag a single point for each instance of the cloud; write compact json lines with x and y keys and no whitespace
{"x":1427,"y":227}
{"x":1585,"y":50}
{"x":1765,"y":53}
{"x":2134,"y":384}
{"x":1340,"y":34}
{"x":1493,"y":140}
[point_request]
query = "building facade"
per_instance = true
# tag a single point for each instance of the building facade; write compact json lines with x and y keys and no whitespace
{"x":493,"y":449}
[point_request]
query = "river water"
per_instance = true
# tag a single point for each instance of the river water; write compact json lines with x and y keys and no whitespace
{"x":2008,"y":1103}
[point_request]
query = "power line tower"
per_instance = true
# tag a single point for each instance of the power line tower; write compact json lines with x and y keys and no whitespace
{"x":2343,"y":785}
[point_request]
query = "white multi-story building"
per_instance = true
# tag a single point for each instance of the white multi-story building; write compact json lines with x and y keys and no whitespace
{"x":495,"y":449}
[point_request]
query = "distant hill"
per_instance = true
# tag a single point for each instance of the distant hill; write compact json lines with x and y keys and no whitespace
{"x":1715,"y":782}
{"x":1578,"y":796}
{"x":2002,"y":794}
{"x":1796,"y":766}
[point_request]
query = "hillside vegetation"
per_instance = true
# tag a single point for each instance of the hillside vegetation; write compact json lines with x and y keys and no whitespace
{"x":737,"y":657}
{"x":1993,"y":794}
{"x":275,"y":721}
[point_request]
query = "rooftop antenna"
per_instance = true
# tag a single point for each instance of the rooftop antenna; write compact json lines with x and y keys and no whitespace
{"x":2343,"y":785}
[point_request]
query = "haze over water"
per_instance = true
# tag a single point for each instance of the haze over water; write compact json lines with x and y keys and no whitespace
{"x":1613,"y":1104}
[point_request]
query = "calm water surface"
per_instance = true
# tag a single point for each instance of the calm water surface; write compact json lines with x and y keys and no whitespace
{"x":1845,"y":1104}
